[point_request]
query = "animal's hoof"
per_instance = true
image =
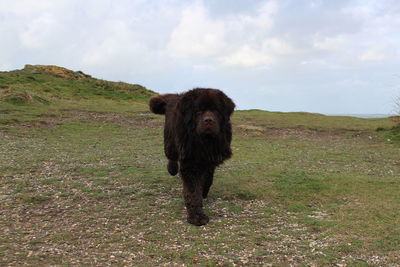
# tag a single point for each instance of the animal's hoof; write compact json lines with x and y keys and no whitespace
{"x":198,"y":219}
{"x":173,"y":167}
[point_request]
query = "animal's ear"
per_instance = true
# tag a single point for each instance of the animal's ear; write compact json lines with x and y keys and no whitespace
{"x":157,"y":104}
{"x":186,"y":107}
{"x":228,"y":104}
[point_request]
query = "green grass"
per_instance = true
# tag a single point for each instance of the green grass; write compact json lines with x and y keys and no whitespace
{"x":393,"y":134}
{"x":83,"y":181}
{"x":48,"y":88}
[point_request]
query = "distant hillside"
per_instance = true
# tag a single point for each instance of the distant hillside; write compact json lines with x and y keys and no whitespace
{"x":38,"y":84}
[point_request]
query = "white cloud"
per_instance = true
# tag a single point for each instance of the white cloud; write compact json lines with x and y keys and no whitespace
{"x":247,"y":56}
{"x":234,"y":40}
{"x":38,"y":32}
{"x":262,"y":19}
{"x":119,"y":40}
{"x":329,"y":43}
{"x":27,"y":7}
{"x":373,"y":55}
{"x":277,"y":46}
{"x":197,"y":35}
{"x":262,"y":54}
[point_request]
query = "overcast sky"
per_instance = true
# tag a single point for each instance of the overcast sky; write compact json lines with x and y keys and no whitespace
{"x":326,"y":56}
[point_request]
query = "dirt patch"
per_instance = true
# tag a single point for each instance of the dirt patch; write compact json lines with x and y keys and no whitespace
{"x":48,"y":121}
{"x":40,"y":124}
{"x":7,"y":111}
{"x":295,"y":132}
{"x":299,"y":132}
{"x":137,"y":119}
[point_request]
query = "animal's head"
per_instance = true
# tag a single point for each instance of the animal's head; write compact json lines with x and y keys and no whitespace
{"x":206,"y":111}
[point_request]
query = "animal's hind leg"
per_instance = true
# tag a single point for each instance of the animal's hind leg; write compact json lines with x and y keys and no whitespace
{"x":208,"y":180}
{"x":171,"y":153}
{"x":172,"y":156}
{"x":172,"y":167}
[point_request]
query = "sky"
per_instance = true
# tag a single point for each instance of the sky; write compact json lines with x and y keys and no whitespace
{"x":323,"y":56}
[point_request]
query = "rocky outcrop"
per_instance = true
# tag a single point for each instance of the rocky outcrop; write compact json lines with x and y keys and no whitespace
{"x":57,"y":71}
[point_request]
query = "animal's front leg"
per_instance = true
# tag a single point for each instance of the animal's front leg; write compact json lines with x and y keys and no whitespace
{"x":192,"y":194}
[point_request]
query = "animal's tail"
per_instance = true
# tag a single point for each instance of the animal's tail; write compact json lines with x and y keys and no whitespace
{"x":158,"y":103}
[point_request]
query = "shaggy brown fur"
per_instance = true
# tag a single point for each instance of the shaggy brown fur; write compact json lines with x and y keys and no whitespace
{"x":197,"y":138}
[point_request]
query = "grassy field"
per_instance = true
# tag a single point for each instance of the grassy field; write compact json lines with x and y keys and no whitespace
{"x":83,"y":181}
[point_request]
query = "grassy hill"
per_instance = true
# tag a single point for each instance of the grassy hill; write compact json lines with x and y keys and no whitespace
{"x":83,"y":181}
{"x":46,"y":85}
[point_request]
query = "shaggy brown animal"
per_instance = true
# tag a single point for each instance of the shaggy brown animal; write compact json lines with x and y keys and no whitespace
{"x":197,"y":138}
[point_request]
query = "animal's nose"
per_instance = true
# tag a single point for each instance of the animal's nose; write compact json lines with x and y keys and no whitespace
{"x":208,"y":120}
